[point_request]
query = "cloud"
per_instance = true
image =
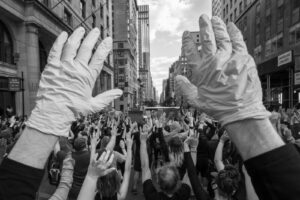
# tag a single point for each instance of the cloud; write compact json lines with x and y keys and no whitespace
{"x":160,"y":70}
{"x":168,"y":20}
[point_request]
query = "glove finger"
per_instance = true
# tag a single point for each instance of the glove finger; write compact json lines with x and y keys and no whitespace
{"x":100,"y":55}
{"x":72,"y":44}
{"x":187,"y":89}
{"x":104,"y":99}
{"x":56,"y":50}
{"x":85,"y":50}
{"x":221,"y":35}
{"x":190,"y":48}
{"x":236,"y":37}
{"x":207,"y":36}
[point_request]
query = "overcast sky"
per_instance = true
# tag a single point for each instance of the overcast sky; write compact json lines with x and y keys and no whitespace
{"x":168,"y":20}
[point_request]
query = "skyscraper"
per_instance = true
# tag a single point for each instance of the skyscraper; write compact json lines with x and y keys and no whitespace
{"x":125,"y":52}
{"x":144,"y":51}
{"x":217,"y":8}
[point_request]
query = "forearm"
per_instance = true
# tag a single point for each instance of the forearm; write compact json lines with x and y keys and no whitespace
{"x":254,"y":137}
{"x":146,"y":174}
{"x":88,"y":189}
{"x":33,"y":148}
{"x":195,"y":182}
{"x":126,"y":178}
{"x":144,"y":155}
{"x":66,"y":180}
{"x":218,"y":156}
{"x":111,"y":145}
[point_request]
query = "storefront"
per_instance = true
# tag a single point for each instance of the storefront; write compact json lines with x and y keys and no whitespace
{"x":8,"y":88}
{"x":277,"y":78}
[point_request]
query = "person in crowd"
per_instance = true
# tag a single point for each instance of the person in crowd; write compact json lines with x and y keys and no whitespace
{"x":168,"y":177}
{"x":82,"y":161}
{"x":224,"y":84}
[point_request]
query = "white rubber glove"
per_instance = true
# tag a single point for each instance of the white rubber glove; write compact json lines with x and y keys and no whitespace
{"x":66,"y":85}
{"x":224,"y":82}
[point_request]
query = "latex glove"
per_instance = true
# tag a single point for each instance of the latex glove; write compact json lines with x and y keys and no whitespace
{"x":66,"y":84}
{"x":224,"y":82}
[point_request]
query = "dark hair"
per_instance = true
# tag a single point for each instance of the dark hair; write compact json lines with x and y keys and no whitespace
{"x":228,"y":180}
{"x":176,"y":145}
{"x":168,"y":179}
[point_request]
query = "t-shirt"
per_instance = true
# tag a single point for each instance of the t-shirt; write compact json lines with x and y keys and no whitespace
{"x":151,"y":193}
{"x":82,"y":161}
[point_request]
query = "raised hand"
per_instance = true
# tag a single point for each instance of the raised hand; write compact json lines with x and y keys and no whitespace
{"x":224,"y":82}
{"x":66,"y":84}
{"x":95,"y":139}
{"x":101,"y":166}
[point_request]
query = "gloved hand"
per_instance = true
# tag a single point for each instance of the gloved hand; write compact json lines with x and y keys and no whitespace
{"x":224,"y":82}
{"x":65,"y":88}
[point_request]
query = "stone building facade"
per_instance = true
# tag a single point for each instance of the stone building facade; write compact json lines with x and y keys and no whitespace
{"x":28,"y":29}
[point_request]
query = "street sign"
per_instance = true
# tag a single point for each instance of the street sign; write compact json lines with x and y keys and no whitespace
{"x":284,"y":58}
{"x":297,"y":78}
{"x":14,"y":84}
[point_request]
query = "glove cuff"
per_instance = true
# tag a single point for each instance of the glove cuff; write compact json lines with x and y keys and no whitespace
{"x":256,"y":111}
{"x":51,"y":119}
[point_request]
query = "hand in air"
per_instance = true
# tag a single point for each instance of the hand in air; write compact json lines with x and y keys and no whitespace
{"x":100,"y":166}
{"x":224,"y":82}
{"x":65,"y":88}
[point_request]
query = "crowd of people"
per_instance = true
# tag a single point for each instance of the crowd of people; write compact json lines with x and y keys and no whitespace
{"x":225,"y":146}
{"x":187,"y":155}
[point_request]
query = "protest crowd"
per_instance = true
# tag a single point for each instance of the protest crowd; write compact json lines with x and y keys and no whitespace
{"x":226,"y":145}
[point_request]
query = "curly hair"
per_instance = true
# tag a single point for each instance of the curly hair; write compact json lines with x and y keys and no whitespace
{"x":228,"y":180}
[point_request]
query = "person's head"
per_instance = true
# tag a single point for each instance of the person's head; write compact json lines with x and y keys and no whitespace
{"x":176,"y":151}
{"x":83,"y":134}
{"x":80,"y":144}
{"x":104,"y":142}
{"x":168,"y":179}
{"x":228,"y":180}
{"x":108,"y":185}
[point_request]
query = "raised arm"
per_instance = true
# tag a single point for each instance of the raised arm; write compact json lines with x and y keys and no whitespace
{"x":98,"y":167}
{"x":146,"y":173}
{"x":112,"y":142}
{"x":219,"y":152}
{"x":125,"y":184}
{"x":190,"y":153}
{"x":225,"y":84}
{"x":65,"y":90}
{"x":66,"y":179}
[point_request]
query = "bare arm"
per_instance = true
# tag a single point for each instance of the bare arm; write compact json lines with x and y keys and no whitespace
{"x":111,"y":145}
{"x":124,"y":187}
{"x":33,"y":148}
{"x":66,"y":180}
{"x":218,"y":160}
{"x":146,"y":174}
{"x":261,"y":133}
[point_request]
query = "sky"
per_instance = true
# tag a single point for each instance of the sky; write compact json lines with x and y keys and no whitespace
{"x":168,"y":20}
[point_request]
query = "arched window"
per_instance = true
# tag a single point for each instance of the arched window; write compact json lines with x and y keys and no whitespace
{"x":6,"y":45}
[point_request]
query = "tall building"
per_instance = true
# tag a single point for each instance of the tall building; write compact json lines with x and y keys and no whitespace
{"x":217,"y":8}
{"x":28,"y":29}
{"x":125,"y":52}
{"x":271,"y":31}
{"x":144,"y":51}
